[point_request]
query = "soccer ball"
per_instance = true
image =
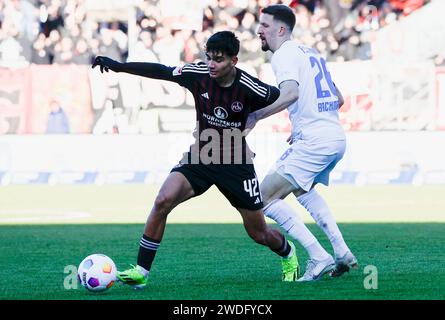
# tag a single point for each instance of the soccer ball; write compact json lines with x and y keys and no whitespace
{"x":97,"y":272}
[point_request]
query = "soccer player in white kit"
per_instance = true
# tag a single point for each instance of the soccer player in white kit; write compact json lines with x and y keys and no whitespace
{"x":317,"y":142}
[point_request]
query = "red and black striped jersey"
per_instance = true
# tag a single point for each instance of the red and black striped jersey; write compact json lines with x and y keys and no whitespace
{"x":221,"y":108}
{"x":224,"y":107}
{"x":220,"y":111}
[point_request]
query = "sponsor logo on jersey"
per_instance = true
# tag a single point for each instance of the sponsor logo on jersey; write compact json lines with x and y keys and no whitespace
{"x":211,"y":120}
{"x":220,"y":113}
{"x":237,"y":106}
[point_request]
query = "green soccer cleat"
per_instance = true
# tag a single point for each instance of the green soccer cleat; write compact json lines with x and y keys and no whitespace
{"x":291,"y":268}
{"x":133,"y":277}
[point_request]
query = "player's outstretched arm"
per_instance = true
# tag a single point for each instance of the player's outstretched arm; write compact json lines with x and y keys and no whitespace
{"x":144,"y":69}
{"x":288,"y":95}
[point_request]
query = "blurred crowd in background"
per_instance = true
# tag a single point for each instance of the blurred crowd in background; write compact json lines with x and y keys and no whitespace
{"x":47,"y":86}
{"x":58,"y":39}
{"x":60,"y":32}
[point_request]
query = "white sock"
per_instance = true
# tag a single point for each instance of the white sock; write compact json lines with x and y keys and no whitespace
{"x":287,"y":218}
{"x":322,"y":215}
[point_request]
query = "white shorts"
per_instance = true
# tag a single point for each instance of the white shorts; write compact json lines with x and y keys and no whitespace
{"x":304,"y":163}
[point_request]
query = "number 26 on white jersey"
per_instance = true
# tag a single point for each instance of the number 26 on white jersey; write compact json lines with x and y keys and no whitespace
{"x":322,"y":78}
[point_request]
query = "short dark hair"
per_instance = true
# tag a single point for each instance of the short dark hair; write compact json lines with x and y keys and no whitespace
{"x":282,"y":13}
{"x":224,"y":42}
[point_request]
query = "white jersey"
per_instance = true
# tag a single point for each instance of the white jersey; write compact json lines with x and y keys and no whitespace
{"x":314,"y":116}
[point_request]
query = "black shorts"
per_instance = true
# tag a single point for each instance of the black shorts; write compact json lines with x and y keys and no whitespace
{"x":237,"y":182}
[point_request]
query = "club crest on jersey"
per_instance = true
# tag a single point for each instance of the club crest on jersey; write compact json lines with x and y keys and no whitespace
{"x":237,"y":106}
{"x":220,"y":113}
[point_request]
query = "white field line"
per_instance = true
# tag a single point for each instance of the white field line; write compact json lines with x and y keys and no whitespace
{"x":41,"y":215}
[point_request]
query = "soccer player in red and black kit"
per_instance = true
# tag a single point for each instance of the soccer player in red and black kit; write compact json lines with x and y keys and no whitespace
{"x":224,"y":96}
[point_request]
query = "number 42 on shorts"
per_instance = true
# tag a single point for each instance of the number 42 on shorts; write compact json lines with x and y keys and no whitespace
{"x":251,"y":186}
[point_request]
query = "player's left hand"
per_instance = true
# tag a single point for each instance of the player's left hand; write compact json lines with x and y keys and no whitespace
{"x":106,"y":64}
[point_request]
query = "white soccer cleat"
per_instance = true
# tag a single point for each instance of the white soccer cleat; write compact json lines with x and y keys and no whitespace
{"x":344,"y":264}
{"x":316,"y":269}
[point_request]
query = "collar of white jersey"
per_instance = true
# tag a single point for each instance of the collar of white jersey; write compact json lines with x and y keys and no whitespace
{"x":286,"y":42}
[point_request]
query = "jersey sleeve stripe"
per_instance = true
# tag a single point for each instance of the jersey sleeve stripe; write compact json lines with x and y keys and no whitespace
{"x":196,"y":71}
{"x":256,"y":85}
{"x":202,"y":68}
{"x":195,"y":67}
{"x":260,"y":93}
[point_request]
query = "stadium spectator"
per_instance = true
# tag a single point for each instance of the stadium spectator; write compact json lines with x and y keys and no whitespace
{"x":143,"y":49}
{"x":328,"y":26}
{"x":108,"y":46}
{"x":51,"y":17}
{"x":168,"y":46}
{"x":58,"y":122}
{"x":40,"y":53}
{"x":82,"y":53}
{"x":191,"y":49}
{"x":14,"y":49}
{"x":63,"y":51}
{"x":61,"y":31}
{"x":51,"y":42}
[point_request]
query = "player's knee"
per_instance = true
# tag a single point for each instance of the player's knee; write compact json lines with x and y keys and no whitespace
{"x":267,"y":195}
{"x":163,"y":203}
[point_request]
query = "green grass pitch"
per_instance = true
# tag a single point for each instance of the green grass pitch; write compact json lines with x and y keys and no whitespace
{"x":212,"y":261}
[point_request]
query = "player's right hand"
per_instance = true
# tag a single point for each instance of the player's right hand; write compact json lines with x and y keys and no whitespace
{"x":251,"y":121}
{"x":106,"y":64}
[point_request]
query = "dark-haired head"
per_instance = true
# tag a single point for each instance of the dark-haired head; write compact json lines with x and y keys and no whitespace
{"x":221,"y":53}
{"x":224,"y":42}
{"x":281,"y":13}
{"x":275,"y":27}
